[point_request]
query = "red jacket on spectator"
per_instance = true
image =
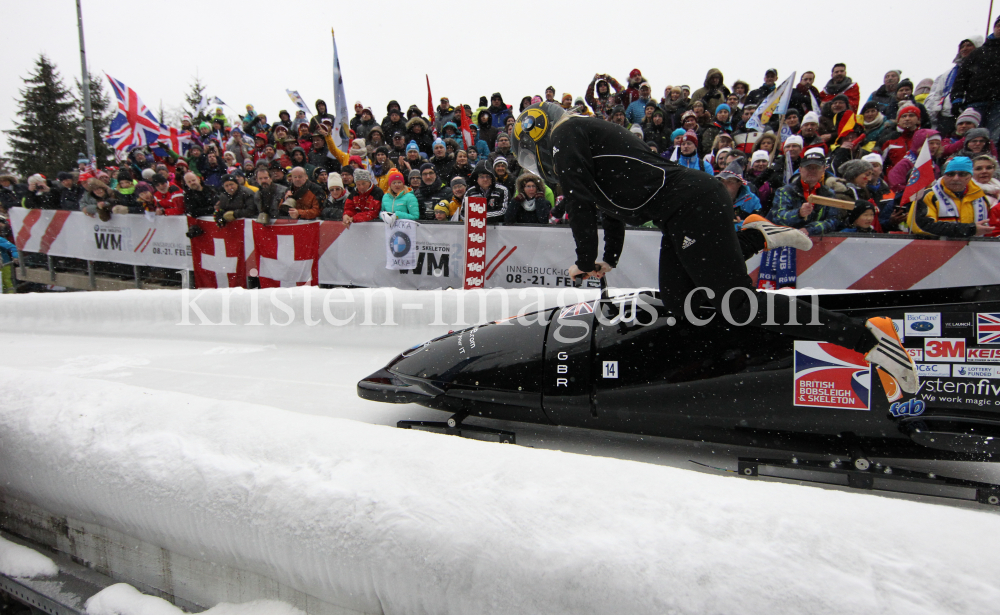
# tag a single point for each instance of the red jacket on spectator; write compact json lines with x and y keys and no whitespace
{"x":172,"y":201}
{"x":852,"y":92}
{"x":364,"y":206}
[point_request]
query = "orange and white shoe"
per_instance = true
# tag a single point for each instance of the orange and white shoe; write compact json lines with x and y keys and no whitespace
{"x":777,"y":236}
{"x":890,"y":356}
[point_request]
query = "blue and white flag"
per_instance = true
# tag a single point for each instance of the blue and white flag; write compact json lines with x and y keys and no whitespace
{"x":341,"y":126}
{"x":776,"y":103}
{"x":298,"y":101}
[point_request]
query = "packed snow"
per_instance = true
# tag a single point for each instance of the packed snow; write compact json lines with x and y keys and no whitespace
{"x":123,"y":599}
{"x":109,"y":421}
{"x":19,"y":561}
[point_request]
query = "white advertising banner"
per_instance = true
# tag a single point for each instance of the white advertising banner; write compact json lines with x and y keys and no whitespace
{"x":127,"y":239}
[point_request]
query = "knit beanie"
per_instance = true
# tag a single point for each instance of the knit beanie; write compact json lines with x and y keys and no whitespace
{"x":147,"y":174}
{"x":142,"y":187}
{"x":810,"y":118}
{"x":636,"y":129}
{"x":960,"y":164}
{"x":795,"y":140}
{"x":414,"y":173}
{"x":759,"y":155}
{"x":335,"y":181}
{"x":907,"y":108}
{"x":362,"y":175}
{"x":458,"y":181}
{"x":969,"y":115}
{"x":852,"y":168}
{"x":872,"y":159}
{"x":395,"y":175}
{"x":358,"y":148}
{"x":677,"y":133}
{"x":691,"y":136}
{"x":412,"y":145}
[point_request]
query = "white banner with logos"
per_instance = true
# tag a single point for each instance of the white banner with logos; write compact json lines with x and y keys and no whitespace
{"x":516,"y":256}
{"x":127,"y":239}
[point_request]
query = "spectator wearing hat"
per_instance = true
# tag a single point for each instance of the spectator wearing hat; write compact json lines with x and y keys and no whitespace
{"x":304,"y":198}
{"x":235,"y":201}
{"x":636,"y":110}
{"x":333,"y":209}
{"x":658,"y":130}
{"x":269,"y":197}
{"x":840,"y":83}
{"x":688,"y":156}
{"x":976,"y":141}
{"x":901,"y":175}
{"x":366,"y":124}
{"x":874,"y":124}
{"x":394,"y":121}
{"x":529,"y":206}
{"x":977,"y":86}
{"x":895,"y":143}
{"x":721,"y":124}
{"x":442,"y":211}
{"x":757,"y":96}
{"x":99,"y":199}
{"x":432,"y":190}
{"x":502,"y":174}
{"x":984,"y":169}
{"x":459,"y":186}
{"x":322,"y":113}
{"x":791,"y":206}
{"x":758,"y":174}
{"x":745,"y":202}
{"x":11,"y":192}
{"x":499,"y":111}
{"x":904,"y":97}
{"x":496,"y":195}
{"x":714,"y":91}
{"x":418,"y":131}
{"x":631,"y":92}
{"x":277,"y":172}
{"x":965,"y":122}
{"x":954,"y":206}
{"x":365,"y":205}
{"x":861,"y":219}
{"x":444,"y":163}
{"x":168,"y":198}
{"x":69,"y":191}
{"x":356,"y":119}
{"x":938,"y":101}
{"x":810,"y":132}
{"x":39,"y":194}
{"x":399,"y":199}
{"x":413,"y":179}
{"x":599,"y":95}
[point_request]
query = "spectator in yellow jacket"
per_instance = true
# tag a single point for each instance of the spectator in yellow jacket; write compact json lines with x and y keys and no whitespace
{"x":954,"y":206}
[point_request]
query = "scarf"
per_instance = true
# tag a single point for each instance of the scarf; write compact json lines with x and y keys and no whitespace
{"x":833,"y":88}
{"x":875,"y":124}
{"x":948,"y":208}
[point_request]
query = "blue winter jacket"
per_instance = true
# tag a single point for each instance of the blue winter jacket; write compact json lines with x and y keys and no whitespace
{"x":636,"y":112}
{"x":695,"y":161}
{"x":8,"y":251}
{"x":745,"y":203}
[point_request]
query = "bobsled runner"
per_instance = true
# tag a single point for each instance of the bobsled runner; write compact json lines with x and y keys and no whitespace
{"x":624,"y":364}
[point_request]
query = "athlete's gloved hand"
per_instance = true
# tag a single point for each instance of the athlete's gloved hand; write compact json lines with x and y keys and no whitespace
{"x":601,"y":269}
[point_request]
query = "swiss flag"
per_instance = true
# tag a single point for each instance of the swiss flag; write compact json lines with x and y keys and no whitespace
{"x":287,"y":253}
{"x":217,"y":254}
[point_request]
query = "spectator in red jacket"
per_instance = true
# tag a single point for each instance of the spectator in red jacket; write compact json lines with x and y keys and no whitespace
{"x":366,"y":204}
{"x":895,"y":143}
{"x":168,"y":197}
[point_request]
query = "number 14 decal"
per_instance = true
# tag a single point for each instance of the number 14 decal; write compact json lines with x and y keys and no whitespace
{"x":611,"y":369}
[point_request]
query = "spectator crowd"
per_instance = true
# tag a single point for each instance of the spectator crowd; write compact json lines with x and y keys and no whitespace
{"x":831,"y":142}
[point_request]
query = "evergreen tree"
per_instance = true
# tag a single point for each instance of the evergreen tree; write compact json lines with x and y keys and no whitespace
{"x":103,"y":110}
{"x":44,"y":140}
{"x":193,"y":100}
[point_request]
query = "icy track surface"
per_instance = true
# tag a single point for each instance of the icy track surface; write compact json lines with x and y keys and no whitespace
{"x":229,"y":443}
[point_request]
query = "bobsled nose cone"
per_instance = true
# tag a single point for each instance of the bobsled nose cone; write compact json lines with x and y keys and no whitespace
{"x":386,"y":387}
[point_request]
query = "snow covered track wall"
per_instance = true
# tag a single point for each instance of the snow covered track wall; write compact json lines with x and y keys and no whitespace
{"x":381,"y":520}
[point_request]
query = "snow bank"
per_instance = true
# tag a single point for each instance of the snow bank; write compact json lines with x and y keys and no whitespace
{"x":123,"y":599}
{"x":377,"y":519}
{"x":19,"y":561}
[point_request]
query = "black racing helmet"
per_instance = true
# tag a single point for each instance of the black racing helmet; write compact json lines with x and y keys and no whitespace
{"x":532,"y":142}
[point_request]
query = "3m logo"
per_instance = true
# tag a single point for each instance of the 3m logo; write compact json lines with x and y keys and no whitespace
{"x":983,"y":354}
{"x":944,"y":349}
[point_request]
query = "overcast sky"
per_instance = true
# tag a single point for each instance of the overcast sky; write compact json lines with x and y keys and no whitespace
{"x":251,"y":51}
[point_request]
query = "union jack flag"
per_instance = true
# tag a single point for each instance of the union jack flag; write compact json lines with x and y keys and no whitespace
{"x":576,"y":310}
{"x":135,"y":125}
{"x":177,"y":140}
{"x":988,"y":328}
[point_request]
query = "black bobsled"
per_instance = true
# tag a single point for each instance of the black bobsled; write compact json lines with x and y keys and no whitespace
{"x":623,"y":364}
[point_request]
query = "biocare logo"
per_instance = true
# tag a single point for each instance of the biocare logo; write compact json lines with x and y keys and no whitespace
{"x":922,"y":324}
{"x":950,"y":349}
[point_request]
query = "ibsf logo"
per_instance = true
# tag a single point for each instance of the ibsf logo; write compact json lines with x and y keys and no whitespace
{"x":477,"y":208}
{"x":913,"y":407}
{"x":477,"y":252}
{"x":477,"y":223}
{"x":477,"y":237}
{"x":477,"y":267}
{"x":474,"y":281}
